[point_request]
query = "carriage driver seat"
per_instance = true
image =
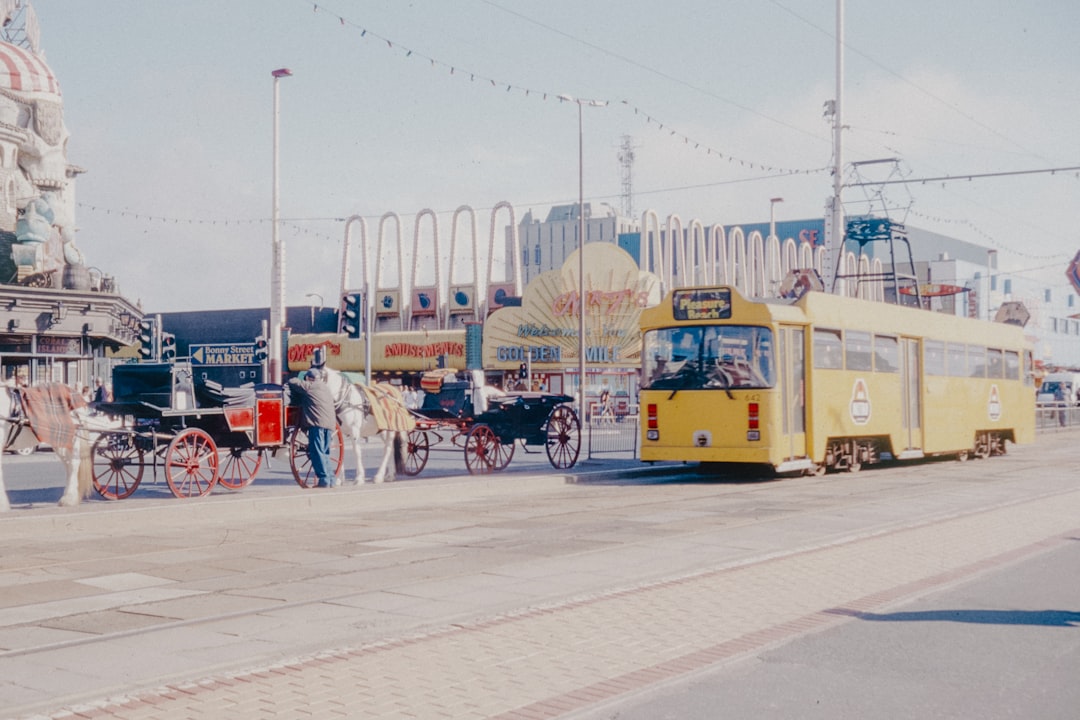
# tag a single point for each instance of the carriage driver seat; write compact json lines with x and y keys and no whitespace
{"x":482,"y":393}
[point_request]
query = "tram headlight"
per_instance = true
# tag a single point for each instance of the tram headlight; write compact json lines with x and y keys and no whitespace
{"x":652,"y":434}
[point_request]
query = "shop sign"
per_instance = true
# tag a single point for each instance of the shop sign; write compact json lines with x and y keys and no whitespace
{"x":223,"y":354}
{"x":546,"y":328}
{"x":59,"y":345}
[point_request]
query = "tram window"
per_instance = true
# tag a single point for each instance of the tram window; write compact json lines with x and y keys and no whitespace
{"x":857,"y":350}
{"x":714,"y":357}
{"x":1012,"y":365}
{"x":828,"y":352}
{"x":955,"y":362}
{"x":995,"y":366}
{"x":976,"y":361}
{"x":1029,"y":368}
{"x":886,"y":354}
{"x":934,"y":357}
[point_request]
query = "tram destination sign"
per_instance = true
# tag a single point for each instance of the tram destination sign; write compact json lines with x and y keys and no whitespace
{"x":701,"y":304}
{"x":223,"y":354}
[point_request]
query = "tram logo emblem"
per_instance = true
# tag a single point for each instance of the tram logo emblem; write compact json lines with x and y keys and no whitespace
{"x":993,"y":407}
{"x":860,"y":403}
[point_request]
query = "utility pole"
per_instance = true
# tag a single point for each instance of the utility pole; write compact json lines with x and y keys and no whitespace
{"x":834,"y":225}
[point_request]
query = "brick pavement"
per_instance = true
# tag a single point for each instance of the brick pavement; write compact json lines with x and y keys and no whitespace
{"x":552,"y":660}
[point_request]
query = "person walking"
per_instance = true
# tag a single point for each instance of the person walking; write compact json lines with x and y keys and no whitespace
{"x":317,"y":416}
{"x":100,"y":395}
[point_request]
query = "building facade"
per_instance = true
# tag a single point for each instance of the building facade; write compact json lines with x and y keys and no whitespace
{"x":59,"y":318}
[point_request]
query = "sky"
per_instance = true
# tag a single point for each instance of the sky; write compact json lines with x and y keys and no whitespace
{"x":400,"y":106}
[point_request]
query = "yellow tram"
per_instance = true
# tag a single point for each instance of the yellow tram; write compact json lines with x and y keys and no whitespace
{"x":826,"y":382}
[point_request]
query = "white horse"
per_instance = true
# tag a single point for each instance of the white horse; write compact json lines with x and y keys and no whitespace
{"x":357,"y":421}
{"x":79,"y":474}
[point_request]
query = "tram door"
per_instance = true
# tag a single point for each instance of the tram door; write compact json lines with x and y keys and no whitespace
{"x":911,"y":388}
{"x":791,"y":359}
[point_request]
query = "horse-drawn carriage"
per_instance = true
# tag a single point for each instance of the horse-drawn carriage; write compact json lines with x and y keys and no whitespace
{"x":487,"y":424}
{"x":199,"y":432}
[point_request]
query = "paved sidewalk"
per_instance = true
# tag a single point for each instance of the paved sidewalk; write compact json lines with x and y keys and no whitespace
{"x":762,"y":584}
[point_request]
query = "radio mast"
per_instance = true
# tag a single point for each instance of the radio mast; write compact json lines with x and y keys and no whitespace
{"x":626,"y":174}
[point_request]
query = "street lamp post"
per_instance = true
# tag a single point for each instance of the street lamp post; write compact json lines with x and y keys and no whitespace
{"x":581,"y":246}
{"x":277,"y":272}
{"x":991,"y":256}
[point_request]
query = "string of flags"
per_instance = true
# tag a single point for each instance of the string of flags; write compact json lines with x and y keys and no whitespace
{"x":291,"y":223}
{"x":983,"y":234}
{"x":511,"y":87}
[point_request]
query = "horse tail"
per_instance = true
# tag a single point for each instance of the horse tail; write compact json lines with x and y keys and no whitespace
{"x":86,"y":468}
{"x":399,"y":454}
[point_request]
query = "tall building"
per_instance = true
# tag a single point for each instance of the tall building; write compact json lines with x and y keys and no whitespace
{"x":546,"y":245}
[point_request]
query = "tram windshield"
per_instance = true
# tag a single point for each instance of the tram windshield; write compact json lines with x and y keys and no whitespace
{"x":718,"y":357}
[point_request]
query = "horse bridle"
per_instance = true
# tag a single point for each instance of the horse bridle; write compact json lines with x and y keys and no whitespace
{"x":342,"y":403}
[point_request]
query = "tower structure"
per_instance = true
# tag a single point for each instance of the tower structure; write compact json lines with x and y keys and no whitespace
{"x":626,"y":174}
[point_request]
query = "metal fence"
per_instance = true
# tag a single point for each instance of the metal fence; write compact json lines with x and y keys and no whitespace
{"x":617,"y":435}
{"x":1053,"y":416}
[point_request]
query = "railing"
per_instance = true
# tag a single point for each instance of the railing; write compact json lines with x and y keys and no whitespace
{"x":1050,"y":417}
{"x":611,"y":433}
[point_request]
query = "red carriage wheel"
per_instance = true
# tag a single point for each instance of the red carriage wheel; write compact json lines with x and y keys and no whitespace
{"x":300,"y":460}
{"x":237,"y":467}
{"x":563,"y":437}
{"x":481,"y":449}
{"x":116,"y":465}
{"x":191,"y":464}
{"x":417,"y":449}
{"x":503,"y":455}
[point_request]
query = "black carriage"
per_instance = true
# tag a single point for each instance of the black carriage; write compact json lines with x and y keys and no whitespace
{"x":487,"y":426}
{"x":198,"y":431}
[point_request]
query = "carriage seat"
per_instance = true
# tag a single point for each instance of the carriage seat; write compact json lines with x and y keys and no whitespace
{"x":213,"y":394}
{"x":452,"y":400}
{"x":432,"y":380}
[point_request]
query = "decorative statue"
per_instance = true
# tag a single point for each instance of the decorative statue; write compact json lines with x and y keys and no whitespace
{"x":35,"y":223}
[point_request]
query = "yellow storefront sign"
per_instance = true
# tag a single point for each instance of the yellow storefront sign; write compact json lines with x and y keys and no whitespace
{"x":412,"y":351}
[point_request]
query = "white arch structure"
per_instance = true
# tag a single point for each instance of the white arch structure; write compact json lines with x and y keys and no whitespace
{"x":515,"y":249}
{"x":414,"y":281}
{"x":451,"y":278}
{"x":379,"y":283}
{"x":679,"y":254}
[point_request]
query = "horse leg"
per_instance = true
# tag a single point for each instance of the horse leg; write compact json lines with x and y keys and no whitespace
{"x":356,"y":443}
{"x":386,"y":466}
{"x":70,"y":458}
{"x":4,"y":504}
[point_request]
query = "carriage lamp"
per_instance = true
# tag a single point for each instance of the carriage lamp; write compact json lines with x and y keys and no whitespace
{"x":653,"y":428}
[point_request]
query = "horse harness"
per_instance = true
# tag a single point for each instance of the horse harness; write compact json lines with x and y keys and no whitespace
{"x":17,"y":419}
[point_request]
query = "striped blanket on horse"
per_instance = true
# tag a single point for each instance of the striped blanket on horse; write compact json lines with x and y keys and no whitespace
{"x":388,"y":408}
{"x":48,"y":409}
